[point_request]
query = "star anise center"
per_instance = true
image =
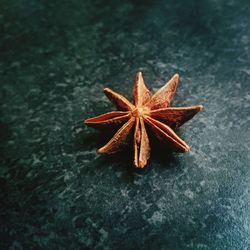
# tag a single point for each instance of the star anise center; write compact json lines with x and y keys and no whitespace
{"x":139,"y":112}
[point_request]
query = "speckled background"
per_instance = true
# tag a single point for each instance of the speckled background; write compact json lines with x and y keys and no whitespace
{"x":56,"y":192}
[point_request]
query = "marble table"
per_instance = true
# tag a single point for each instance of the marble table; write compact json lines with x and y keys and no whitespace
{"x":56,"y":192}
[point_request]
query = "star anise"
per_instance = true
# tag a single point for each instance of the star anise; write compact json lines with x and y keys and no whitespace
{"x":145,"y":113}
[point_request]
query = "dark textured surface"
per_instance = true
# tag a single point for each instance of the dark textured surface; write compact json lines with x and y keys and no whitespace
{"x":56,"y":192}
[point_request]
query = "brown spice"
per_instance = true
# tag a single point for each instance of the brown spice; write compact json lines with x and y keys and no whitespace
{"x":154,"y":111}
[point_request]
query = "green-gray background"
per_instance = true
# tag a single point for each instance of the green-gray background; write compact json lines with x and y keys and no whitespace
{"x":56,"y":192}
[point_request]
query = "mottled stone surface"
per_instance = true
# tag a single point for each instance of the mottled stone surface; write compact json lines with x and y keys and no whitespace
{"x":56,"y":192}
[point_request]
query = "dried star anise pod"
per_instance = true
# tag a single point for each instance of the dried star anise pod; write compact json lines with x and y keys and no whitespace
{"x":145,"y":113}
